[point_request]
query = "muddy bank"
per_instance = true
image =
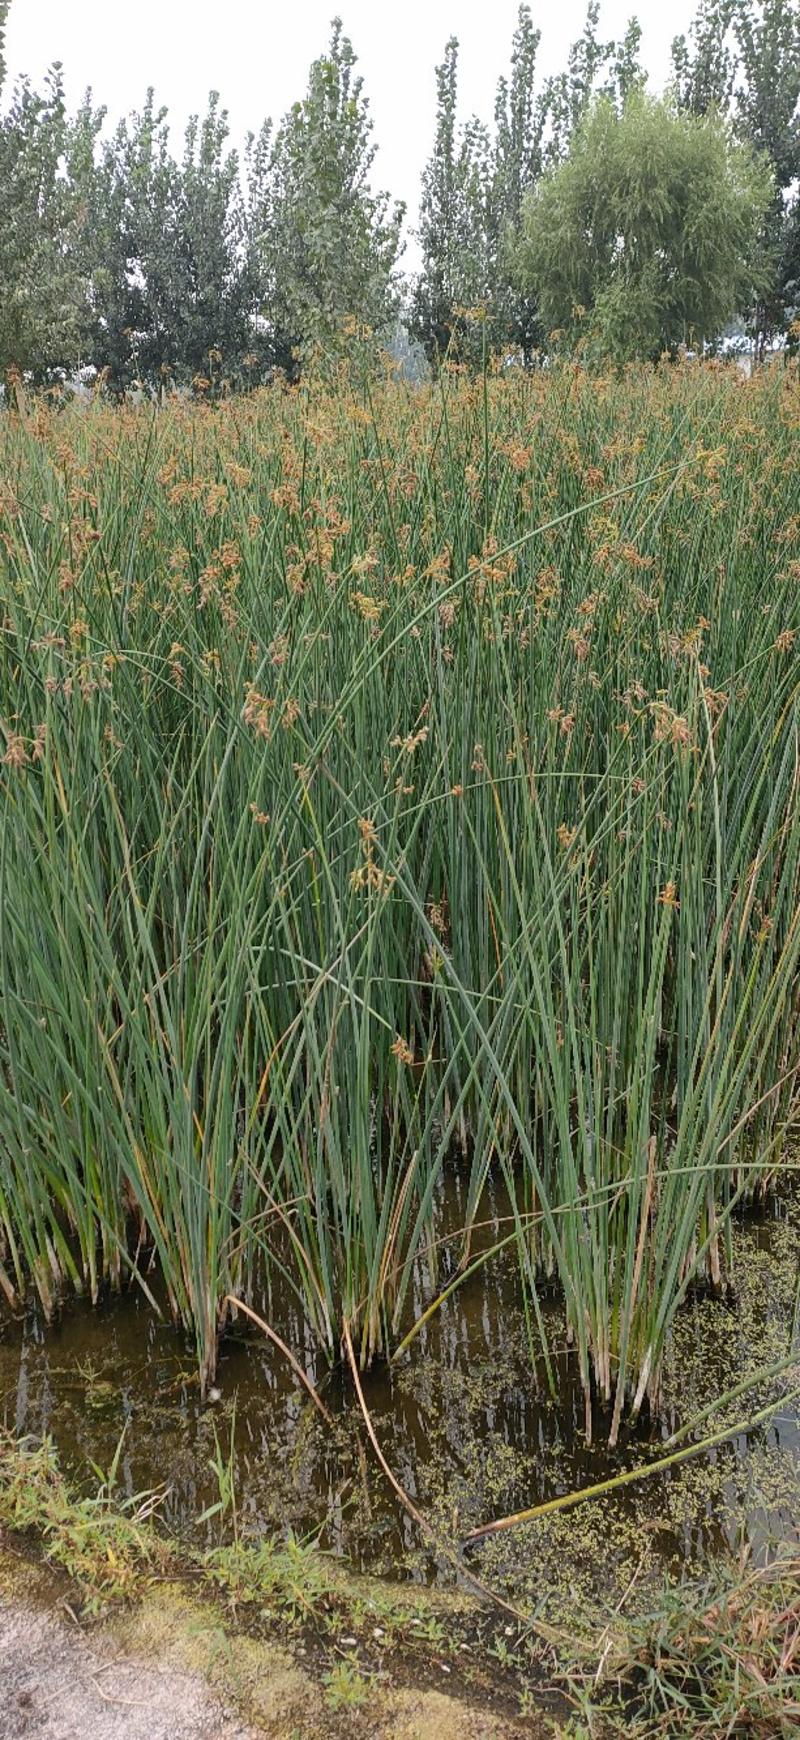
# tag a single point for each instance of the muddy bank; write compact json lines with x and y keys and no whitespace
{"x":173,"y":1668}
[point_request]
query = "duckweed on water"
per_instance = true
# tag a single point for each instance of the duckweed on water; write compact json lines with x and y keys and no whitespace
{"x":471,"y":1434}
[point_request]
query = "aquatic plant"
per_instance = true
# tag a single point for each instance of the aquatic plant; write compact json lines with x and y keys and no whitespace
{"x":393,"y":781}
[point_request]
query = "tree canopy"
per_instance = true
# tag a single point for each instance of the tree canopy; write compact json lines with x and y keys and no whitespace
{"x":161,"y":262}
{"x":326,"y":245}
{"x":644,"y":238}
{"x":42,"y":226}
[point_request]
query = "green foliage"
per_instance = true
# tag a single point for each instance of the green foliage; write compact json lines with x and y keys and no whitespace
{"x":743,"y":59}
{"x":520,"y":130}
{"x":472,"y":191}
{"x":4,"y":10}
{"x":445,"y":230}
{"x":292,"y":1577}
{"x":223,"y":1467}
{"x":767,"y":112}
{"x":172,"y":294}
{"x":768,"y":40}
{"x":325,"y":244}
{"x":129,"y":195}
{"x":476,"y":182}
{"x":646,"y":237}
{"x":704,"y":67}
{"x":571,"y":92}
{"x":163,"y":271}
{"x":346,"y":1687}
{"x":42,"y":230}
{"x":196,"y":271}
{"x":717,"y":1657}
{"x":106,"y":1544}
{"x":706,"y":1656}
{"x":790,"y":271}
{"x":741,"y":62}
{"x":110,"y":1546}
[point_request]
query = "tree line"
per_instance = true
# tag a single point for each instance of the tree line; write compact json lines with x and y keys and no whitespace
{"x":589,"y":214}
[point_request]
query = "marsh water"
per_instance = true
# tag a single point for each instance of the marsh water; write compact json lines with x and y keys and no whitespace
{"x":466,"y":1419}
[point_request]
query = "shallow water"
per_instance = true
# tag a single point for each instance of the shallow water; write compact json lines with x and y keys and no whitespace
{"x":465,"y":1419}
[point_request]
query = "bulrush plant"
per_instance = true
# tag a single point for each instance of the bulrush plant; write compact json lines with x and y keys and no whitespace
{"x":400,"y":784}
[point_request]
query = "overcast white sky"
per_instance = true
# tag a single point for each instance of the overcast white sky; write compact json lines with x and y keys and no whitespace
{"x":257,"y":52}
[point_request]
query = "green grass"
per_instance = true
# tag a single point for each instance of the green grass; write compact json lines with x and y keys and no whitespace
{"x":718,"y":1657}
{"x":395,"y":781}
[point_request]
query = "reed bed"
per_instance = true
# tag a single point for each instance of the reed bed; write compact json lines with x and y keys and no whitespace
{"x":398,"y":780}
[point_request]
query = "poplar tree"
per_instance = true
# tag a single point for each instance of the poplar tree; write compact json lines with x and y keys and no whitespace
{"x":43,"y":300}
{"x":326,"y":245}
{"x":520,"y":125}
{"x":742,"y":58}
{"x":767,"y":113}
{"x":704,"y":62}
{"x":4,"y":10}
{"x":570,"y":92}
{"x":475,"y":185}
{"x":132,"y":197}
{"x":439,"y":286}
{"x":170,"y":292}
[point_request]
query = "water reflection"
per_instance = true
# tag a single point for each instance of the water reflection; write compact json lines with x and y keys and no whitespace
{"x":466,"y":1418}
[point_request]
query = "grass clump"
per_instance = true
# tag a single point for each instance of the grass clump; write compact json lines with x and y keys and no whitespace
{"x":116,"y":1553}
{"x":717,"y":1657}
{"x":389,"y":776}
{"x":105,"y":1543}
{"x":112,"y":1548}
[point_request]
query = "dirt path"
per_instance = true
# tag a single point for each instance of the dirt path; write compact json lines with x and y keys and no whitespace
{"x":57,"y":1684}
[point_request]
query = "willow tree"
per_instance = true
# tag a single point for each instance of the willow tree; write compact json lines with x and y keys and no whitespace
{"x":647,"y":236}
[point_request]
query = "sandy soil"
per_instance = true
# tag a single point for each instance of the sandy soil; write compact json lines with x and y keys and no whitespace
{"x":58,"y":1684}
